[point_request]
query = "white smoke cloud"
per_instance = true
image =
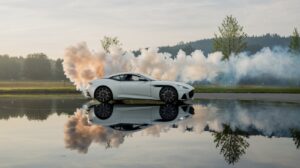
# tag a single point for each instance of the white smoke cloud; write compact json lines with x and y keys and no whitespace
{"x":82,"y":65}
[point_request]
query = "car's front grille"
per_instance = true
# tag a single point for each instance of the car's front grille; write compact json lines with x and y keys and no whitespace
{"x":184,"y":97}
{"x":191,"y":93}
{"x":184,"y":108}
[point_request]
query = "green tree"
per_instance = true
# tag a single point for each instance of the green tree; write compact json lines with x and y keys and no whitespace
{"x":107,"y":42}
{"x":10,"y":68}
{"x":58,"y":70}
{"x":231,"y":38}
{"x":295,"y":41}
{"x":232,"y":144}
{"x":37,"y":67}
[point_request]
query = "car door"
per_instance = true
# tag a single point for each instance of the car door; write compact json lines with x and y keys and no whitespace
{"x":135,"y":86}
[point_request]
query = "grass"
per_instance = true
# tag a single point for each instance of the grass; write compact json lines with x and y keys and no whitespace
{"x":38,"y":90}
{"x":37,"y":87}
{"x":45,"y":96}
{"x":30,"y":84}
{"x":49,"y":87}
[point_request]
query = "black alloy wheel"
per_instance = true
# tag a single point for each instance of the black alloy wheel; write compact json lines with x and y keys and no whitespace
{"x":168,"y":94}
{"x":103,"y":94}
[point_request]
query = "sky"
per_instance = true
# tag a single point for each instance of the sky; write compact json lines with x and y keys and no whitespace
{"x":50,"y":26}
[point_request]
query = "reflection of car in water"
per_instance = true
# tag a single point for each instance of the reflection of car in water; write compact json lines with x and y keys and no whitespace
{"x":136,"y":86}
{"x":124,"y":117}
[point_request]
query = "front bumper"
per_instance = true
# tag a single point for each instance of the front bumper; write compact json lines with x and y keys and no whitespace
{"x":187,"y":95}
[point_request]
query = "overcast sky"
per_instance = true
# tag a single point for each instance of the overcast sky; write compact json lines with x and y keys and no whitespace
{"x":50,"y":26}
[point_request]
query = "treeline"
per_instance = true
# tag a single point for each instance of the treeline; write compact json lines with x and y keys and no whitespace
{"x":254,"y":44}
{"x":231,"y":39}
{"x":35,"y":66}
{"x":34,"y":109}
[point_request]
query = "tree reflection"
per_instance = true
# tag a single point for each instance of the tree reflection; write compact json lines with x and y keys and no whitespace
{"x":233,"y":144}
{"x":296,"y":136}
{"x":36,"y":109}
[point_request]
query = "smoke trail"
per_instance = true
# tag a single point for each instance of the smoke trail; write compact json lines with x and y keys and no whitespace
{"x":81,"y":65}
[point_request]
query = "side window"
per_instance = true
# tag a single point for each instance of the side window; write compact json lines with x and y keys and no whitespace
{"x":135,"y":78}
{"x":130,"y":77}
{"x":117,"y":77}
{"x":127,"y":77}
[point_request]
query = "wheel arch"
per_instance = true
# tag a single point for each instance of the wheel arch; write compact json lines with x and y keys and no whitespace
{"x":165,"y":85}
{"x":168,"y":85}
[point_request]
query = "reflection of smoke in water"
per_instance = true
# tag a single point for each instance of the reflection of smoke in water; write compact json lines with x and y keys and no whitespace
{"x":79,"y":134}
{"x":81,"y":65}
{"x":264,"y":118}
{"x":254,"y":118}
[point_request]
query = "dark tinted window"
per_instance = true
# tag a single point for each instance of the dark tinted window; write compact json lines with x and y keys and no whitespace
{"x":130,"y":77}
{"x":117,"y":77}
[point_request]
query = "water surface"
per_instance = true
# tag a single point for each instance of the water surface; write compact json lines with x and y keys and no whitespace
{"x":58,"y":132}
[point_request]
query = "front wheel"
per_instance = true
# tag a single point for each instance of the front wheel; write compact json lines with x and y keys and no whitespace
{"x":168,"y":112}
{"x":103,"y":94}
{"x":168,"y":94}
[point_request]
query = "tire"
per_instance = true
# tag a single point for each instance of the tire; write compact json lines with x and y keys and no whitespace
{"x":103,"y":94}
{"x":168,"y":112}
{"x":168,"y":94}
{"x":103,"y":111}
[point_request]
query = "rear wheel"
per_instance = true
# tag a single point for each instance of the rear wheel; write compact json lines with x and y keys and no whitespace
{"x":168,"y":94}
{"x":103,"y":94}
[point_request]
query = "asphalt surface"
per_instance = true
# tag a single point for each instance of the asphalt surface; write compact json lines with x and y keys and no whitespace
{"x":279,"y":97}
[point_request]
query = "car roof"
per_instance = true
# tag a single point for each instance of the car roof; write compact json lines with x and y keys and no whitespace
{"x":130,"y":73}
{"x":124,"y":73}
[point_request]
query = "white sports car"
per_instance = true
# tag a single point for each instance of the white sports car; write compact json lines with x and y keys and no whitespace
{"x":136,"y":86}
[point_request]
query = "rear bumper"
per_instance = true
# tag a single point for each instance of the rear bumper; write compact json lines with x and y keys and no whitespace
{"x":86,"y":94}
{"x":89,"y":91}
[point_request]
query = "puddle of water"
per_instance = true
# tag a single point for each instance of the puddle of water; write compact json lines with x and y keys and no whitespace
{"x":209,"y":133}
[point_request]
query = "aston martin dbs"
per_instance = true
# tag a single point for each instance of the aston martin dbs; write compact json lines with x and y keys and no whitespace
{"x":137,"y":86}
